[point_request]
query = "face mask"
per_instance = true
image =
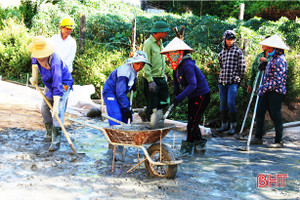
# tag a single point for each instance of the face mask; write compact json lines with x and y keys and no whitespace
{"x":175,"y":58}
{"x":271,"y":54}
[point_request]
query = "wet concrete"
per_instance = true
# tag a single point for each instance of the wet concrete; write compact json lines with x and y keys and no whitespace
{"x":222,"y":172}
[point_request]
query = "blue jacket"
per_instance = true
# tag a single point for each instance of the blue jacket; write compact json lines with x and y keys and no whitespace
{"x":56,"y":77}
{"x":119,"y":83}
{"x":190,"y":78}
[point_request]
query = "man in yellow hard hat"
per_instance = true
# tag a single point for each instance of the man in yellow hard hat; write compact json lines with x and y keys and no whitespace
{"x":65,"y":45}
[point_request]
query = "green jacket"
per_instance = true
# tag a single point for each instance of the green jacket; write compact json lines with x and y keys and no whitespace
{"x":157,"y":60}
{"x":254,"y":70}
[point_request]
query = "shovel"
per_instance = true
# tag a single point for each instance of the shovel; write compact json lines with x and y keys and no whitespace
{"x":157,"y":119}
{"x":59,"y":121}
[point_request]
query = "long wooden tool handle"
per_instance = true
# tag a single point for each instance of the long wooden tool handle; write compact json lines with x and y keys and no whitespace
{"x":112,"y":119}
{"x":168,"y":111}
{"x":59,"y":121}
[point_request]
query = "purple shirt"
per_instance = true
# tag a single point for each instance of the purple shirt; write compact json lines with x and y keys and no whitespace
{"x":55,"y":77}
{"x":191,"y":80}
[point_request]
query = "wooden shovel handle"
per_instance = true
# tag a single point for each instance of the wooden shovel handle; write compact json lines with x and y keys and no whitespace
{"x":59,"y":121}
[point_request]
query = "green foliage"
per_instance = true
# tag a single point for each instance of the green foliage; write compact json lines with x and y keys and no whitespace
{"x":292,"y":83}
{"x":291,"y":31}
{"x":95,"y":65}
{"x":28,"y":9}
{"x":14,"y":58}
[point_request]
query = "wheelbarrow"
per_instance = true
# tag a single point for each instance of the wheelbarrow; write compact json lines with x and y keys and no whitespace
{"x":159,"y":159}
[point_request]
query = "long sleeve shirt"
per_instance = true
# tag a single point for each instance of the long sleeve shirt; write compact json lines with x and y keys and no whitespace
{"x":232,"y":65}
{"x":119,"y":83}
{"x":275,"y":75}
{"x":66,"y":49}
{"x":254,"y":69}
{"x":55,"y":77}
{"x":190,"y":79}
{"x":152,"y":49}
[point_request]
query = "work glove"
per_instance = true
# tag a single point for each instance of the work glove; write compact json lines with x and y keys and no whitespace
{"x":152,"y":86}
{"x":128,"y":115}
{"x":34,"y":77}
{"x":55,"y":110}
{"x":262,"y":66}
{"x":175,"y":102}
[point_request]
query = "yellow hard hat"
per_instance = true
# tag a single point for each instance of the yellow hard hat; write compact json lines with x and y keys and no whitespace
{"x":68,"y":23}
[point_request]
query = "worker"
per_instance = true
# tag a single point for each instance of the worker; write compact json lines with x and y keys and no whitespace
{"x":155,"y":84}
{"x":57,"y":78}
{"x":232,"y":70}
{"x":64,"y":44}
{"x":272,"y":90}
{"x":188,"y":82}
{"x":260,"y":58}
{"x":119,"y":83}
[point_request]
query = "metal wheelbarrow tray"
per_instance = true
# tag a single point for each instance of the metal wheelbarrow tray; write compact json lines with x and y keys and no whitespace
{"x":159,"y":159}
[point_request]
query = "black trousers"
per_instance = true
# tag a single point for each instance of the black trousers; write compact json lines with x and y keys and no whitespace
{"x":158,"y":99}
{"x":271,"y":102}
{"x":196,"y":108}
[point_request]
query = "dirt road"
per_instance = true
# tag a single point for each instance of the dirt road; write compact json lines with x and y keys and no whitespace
{"x":29,"y":171}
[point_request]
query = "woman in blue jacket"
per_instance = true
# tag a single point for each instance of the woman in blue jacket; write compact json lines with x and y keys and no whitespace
{"x":57,"y":78}
{"x":118,"y":85}
{"x":188,"y":82}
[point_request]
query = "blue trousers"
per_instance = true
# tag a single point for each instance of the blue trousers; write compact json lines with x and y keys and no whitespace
{"x":113,"y":109}
{"x":227,"y":97}
{"x":45,"y":110}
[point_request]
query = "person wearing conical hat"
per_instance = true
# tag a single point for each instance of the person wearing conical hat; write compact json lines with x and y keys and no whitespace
{"x":155,"y":84}
{"x":272,"y":91}
{"x":57,"y":78}
{"x":189,"y":82}
{"x":261,"y":59}
{"x":232,"y":70}
{"x":119,"y":83}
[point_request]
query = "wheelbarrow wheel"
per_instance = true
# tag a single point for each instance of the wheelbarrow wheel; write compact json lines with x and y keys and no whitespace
{"x":163,"y":171}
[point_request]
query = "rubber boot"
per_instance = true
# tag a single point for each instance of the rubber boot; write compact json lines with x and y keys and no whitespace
{"x":224,"y":126}
{"x":199,"y":145}
{"x":48,"y":134}
{"x":233,"y":124}
{"x":232,"y":129}
{"x":186,"y":147}
{"x":56,"y":137}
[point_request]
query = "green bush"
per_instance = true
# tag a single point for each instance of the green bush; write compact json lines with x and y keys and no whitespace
{"x":14,"y":57}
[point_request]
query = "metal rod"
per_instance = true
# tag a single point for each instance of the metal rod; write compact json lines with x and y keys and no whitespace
{"x":253,"y":117}
{"x":136,"y":165}
{"x":249,"y":104}
{"x":113,"y":161}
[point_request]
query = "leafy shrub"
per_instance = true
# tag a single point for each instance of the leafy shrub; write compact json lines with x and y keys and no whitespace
{"x":14,"y":57}
{"x":28,"y":9}
{"x":96,"y":64}
{"x":291,"y":31}
{"x":292,"y":82}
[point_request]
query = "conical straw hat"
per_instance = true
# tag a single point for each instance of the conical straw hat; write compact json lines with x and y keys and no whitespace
{"x":274,"y":41}
{"x":175,"y":45}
